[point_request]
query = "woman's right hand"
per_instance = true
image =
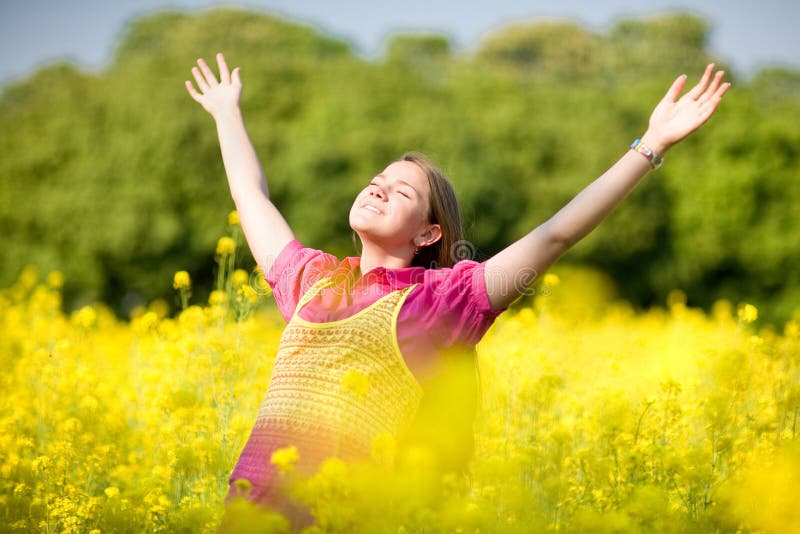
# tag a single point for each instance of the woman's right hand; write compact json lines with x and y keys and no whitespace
{"x":216,"y":97}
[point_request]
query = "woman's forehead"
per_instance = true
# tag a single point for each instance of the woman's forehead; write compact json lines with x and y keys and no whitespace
{"x":408,"y":172}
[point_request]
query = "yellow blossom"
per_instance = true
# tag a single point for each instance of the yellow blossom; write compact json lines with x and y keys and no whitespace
{"x":181,"y":280}
{"x":260,"y":282}
{"x":41,"y":463}
{"x":233,"y":218}
{"x":551,"y":280}
{"x":748,"y":313}
{"x":217,"y":298}
{"x":248,"y":294}
{"x":383,"y":448}
{"x":239,"y":277}
{"x":355,"y":381}
{"x":791,"y":329}
{"x":55,"y":279}
{"x":159,"y":307}
{"x":226,"y":246}
{"x":111,"y":492}
{"x":85,"y":317}
{"x":29,"y":276}
{"x":285,"y":458}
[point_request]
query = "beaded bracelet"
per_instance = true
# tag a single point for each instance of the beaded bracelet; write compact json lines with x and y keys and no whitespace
{"x":655,"y":160}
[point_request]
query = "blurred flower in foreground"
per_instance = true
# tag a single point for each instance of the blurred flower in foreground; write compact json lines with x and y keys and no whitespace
{"x":85,"y":317}
{"x":355,"y":381}
{"x":233,"y":218}
{"x":285,"y":458}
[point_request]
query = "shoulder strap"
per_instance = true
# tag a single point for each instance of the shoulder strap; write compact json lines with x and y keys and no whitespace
{"x":311,"y":293}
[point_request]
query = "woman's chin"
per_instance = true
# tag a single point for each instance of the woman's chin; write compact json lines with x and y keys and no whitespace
{"x":360,"y":224}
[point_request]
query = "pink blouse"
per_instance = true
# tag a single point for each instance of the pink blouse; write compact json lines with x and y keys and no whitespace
{"x":449,"y":307}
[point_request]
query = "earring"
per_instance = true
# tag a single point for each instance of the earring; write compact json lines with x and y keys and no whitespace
{"x":416,"y":250}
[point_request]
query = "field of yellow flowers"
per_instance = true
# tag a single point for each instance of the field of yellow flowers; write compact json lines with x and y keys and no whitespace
{"x":594,"y":418}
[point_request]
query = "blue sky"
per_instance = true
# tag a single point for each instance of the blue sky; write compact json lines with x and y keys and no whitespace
{"x":746,"y":34}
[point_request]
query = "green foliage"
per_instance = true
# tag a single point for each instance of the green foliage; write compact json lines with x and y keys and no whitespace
{"x":116,"y":178}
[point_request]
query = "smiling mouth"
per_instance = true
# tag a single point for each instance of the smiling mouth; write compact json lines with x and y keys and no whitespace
{"x":371,"y":208}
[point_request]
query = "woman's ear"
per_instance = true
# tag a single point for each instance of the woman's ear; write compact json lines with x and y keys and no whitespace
{"x":430,"y":236}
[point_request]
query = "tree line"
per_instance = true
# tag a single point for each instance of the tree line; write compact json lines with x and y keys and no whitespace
{"x":115,"y":178}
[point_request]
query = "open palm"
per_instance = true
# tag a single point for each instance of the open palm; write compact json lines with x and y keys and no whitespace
{"x":675,"y":118}
{"x":215,"y":96}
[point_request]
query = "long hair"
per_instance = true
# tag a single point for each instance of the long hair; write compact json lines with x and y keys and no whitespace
{"x":442,"y":210}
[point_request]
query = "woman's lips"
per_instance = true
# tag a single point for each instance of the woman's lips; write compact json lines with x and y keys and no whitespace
{"x":372,"y":209}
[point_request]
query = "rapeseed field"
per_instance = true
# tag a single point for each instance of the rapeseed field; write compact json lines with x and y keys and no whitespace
{"x":593,"y":418}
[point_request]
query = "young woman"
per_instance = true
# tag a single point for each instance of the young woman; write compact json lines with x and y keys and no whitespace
{"x":365,"y":335}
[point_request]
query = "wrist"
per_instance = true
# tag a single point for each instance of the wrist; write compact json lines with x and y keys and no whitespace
{"x":655,"y":158}
{"x":655,"y":143}
{"x":228,"y":114}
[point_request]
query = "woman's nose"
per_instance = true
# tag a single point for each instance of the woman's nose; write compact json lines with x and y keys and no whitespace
{"x":376,"y":192}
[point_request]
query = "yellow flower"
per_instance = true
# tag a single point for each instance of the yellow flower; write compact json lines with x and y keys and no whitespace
{"x":355,"y":381}
{"x":233,"y":218}
{"x":29,"y":276}
{"x":285,"y":458}
{"x":55,"y":279}
{"x":41,"y":463}
{"x":181,"y":280}
{"x":217,"y":297}
{"x":551,"y":280}
{"x":260,"y":282}
{"x":226,"y":246}
{"x":239,"y":277}
{"x":791,"y":329}
{"x":383,"y":448}
{"x":248,"y":293}
{"x":85,"y":317}
{"x":748,"y":313}
{"x":159,"y":307}
{"x":111,"y":492}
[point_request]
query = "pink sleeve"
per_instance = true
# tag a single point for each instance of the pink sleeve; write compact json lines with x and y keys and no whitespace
{"x":295,"y":270}
{"x":454,"y":305}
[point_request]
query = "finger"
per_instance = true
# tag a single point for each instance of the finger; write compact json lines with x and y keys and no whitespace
{"x":712,"y":89}
{"x":235,"y":76}
{"x":711,"y":104}
{"x":201,"y":81}
{"x":192,"y":91}
{"x":698,"y":89}
{"x":207,"y":72}
{"x":224,"y":73}
{"x":675,"y":89}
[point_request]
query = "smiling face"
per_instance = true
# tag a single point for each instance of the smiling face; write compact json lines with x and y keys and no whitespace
{"x":393,"y":209}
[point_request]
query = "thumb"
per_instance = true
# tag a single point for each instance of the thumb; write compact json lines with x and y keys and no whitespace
{"x":676,"y":88}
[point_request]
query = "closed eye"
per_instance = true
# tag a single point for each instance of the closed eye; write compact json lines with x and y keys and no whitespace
{"x":401,"y":192}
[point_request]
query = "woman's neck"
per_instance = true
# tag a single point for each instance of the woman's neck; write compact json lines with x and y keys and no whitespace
{"x":373,"y":256}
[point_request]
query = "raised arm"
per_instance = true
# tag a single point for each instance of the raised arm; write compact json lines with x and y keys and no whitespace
{"x":511,"y":271}
{"x":265,"y":229}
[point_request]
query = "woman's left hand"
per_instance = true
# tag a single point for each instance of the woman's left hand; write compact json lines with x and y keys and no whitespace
{"x":673,"y":119}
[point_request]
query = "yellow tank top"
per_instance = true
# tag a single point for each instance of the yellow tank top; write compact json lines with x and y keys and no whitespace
{"x":337,"y":385}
